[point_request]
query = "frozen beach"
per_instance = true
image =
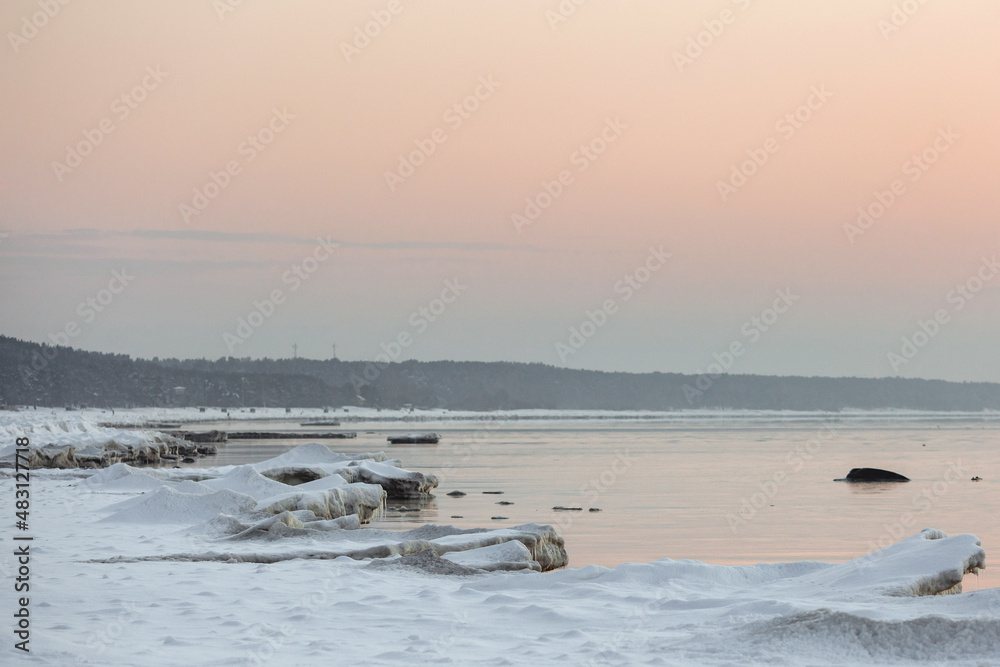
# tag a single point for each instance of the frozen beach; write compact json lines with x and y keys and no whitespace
{"x":231,"y":564}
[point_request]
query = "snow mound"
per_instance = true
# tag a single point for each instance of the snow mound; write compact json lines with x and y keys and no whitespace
{"x":313,"y":453}
{"x":167,"y":505}
{"x":246,"y":480}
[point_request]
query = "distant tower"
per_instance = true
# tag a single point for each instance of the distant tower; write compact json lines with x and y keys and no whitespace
{"x":334,"y":350}
{"x":295,"y":350}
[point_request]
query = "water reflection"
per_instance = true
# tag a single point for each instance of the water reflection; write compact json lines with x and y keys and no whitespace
{"x":409,"y":510}
{"x":873,"y":488}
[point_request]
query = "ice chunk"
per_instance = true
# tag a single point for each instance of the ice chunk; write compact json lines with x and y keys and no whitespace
{"x":361,"y":499}
{"x":398,"y":483}
{"x":511,"y":555}
{"x":928,"y":563}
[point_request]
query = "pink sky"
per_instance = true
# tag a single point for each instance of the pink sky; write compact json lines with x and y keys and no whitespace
{"x":672,"y":130}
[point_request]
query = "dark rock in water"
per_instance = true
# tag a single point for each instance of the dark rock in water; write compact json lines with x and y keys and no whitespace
{"x":188,"y":459}
{"x":204,"y":436}
{"x":977,"y":478}
{"x":560,"y":508}
{"x":505,"y":502}
{"x":456,"y":494}
{"x":872,"y":475}
{"x":493,"y":493}
{"x":498,"y":518}
{"x":285,"y":435}
{"x":594,"y":509}
{"x":457,"y":516}
{"x":414,"y":439}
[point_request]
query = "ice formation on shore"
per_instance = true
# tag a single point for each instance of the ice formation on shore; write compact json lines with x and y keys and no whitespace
{"x":267,"y":512}
{"x":82,"y":444}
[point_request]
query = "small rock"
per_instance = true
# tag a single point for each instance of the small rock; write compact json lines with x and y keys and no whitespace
{"x":977,"y":478}
{"x":493,"y":493}
{"x":456,"y":494}
{"x":187,"y":459}
{"x":594,"y":509}
{"x":560,"y":508}
{"x":505,"y":502}
{"x":457,"y":516}
{"x":498,"y":518}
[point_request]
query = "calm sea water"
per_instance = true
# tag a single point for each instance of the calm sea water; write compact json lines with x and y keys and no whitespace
{"x":720,"y":491}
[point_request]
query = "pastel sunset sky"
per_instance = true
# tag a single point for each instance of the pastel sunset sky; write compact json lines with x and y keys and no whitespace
{"x":670,"y":168}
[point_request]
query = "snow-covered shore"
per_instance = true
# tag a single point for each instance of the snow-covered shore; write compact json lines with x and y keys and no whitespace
{"x":269,"y":564}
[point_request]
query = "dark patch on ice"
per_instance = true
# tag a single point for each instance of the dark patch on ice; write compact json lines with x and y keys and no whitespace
{"x":425,"y":561}
{"x":857,"y":639}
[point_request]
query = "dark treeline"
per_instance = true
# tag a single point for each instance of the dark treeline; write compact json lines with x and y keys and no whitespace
{"x":33,"y":374}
